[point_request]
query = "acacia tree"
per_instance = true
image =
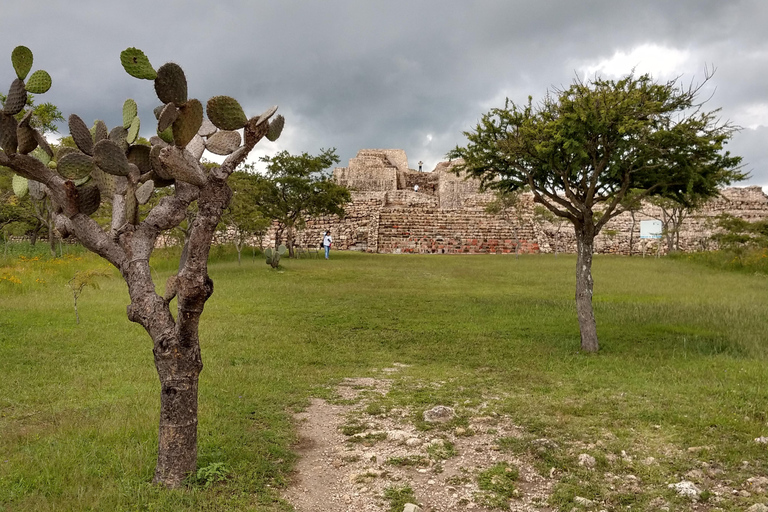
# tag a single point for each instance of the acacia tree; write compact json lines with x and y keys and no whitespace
{"x":296,"y":187}
{"x":581,"y":150}
{"x":109,"y":166}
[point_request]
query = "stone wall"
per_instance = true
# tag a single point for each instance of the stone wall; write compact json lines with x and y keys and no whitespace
{"x":447,"y":215}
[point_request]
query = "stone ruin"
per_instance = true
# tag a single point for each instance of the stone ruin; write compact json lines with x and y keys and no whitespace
{"x":396,"y":209}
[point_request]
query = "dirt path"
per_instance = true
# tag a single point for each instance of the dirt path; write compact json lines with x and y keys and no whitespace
{"x":384,"y":453}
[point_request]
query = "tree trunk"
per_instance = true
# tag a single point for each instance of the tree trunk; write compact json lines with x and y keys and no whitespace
{"x":585,"y":237}
{"x":51,"y":239}
{"x":177,"y":440}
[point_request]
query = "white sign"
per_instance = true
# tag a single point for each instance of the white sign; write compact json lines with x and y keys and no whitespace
{"x":650,"y":229}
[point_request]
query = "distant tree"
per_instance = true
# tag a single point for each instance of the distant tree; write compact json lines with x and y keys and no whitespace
{"x":673,"y":213}
{"x":243,"y":216}
{"x":583,"y":149}
{"x":542,"y":214}
{"x":296,"y":187}
{"x":738,"y":236}
{"x":509,"y":205}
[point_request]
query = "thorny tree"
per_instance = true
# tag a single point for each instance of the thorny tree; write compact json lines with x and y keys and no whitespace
{"x":109,"y":166}
{"x":583,"y":149}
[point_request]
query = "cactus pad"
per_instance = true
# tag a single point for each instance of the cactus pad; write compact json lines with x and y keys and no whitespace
{"x":281,"y":249}
{"x":130,"y":110}
{"x":105,"y":182}
{"x":118,"y":135}
{"x":42,"y":143}
{"x":39,"y":82}
{"x":110,"y":158}
{"x":137,"y":64}
{"x":139,"y":156}
{"x":41,"y":155}
{"x":25,"y":135}
{"x":196,"y":147}
{"x":8,"y":137}
{"x":275,"y":128}
{"x":21,"y":58}
{"x":226,"y":113}
{"x":88,"y":198}
{"x":207,"y":128}
{"x":144,"y":192}
{"x":20,"y":185}
{"x":131,"y":206}
{"x":257,"y":121}
{"x":157,"y":166}
{"x":16,"y":99}
{"x":223,"y":142}
{"x":81,"y":134}
{"x":99,"y":130}
{"x":74,"y":166}
{"x":171,"y":84}
{"x":167,"y":116}
{"x":166,"y":135}
{"x":189,"y":121}
{"x":133,"y":131}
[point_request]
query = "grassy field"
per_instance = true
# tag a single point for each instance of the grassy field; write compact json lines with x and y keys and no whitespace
{"x":681,"y":375}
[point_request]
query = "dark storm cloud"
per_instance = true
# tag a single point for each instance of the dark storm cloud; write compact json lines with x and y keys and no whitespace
{"x":367,"y":74}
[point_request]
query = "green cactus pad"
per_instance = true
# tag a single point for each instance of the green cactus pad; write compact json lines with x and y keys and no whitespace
{"x":43,"y":144}
{"x":133,"y":131}
{"x":144,"y":192}
{"x":189,"y":121}
{"x":223,"y":142}
{"x":130,"y":110}
{"x":226,"y":113}
{"x":20,"y":185}
{"x":137,"y":64}
{"x":39,"y":82}
{"x":275,"y":128}
{"x":81,"y":134}
{"x":167,"y":116}
{"x":8,"y":138}
{"x":82,"y":181}
{"x":110,"y":158}
{"x":118,"y":135}
{"x":88,"y":198}
{"x":41,"y":155}
{"x":16,"y":99}
{"x":166,"y":135}
{"x":63,"y":151}
{"x":171,"y":84}
{"x":75,"y":166}
{"x":25,"y":135}
{"x":268,"y":252}
{"x":99,"y":131}
{"x":21,"y":57}
{"x":139,"y":156}
{"x":105,"y":182}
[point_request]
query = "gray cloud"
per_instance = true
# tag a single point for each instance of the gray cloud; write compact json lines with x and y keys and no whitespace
{"x":411,"y":75}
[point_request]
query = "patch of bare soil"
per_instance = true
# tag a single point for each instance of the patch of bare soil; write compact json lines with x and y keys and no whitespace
{"x":350,"y":470}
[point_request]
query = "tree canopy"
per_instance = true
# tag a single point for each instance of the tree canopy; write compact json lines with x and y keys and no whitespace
{"x":583,"y":149}
{"x":296,"y":187}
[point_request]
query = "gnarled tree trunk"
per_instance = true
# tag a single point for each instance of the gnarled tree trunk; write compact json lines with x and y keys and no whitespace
{"x":585,"y":237}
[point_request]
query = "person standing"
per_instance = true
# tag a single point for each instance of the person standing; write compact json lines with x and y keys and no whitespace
{"x":327,"y":241}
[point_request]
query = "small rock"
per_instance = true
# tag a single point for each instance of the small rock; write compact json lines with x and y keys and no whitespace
{"x":413,"y":441}
{"x":439,"y":414}
{"x":758,"y":507}
{"x":431,"y":482}
{"x":398,"y":436}
{"x":460,"y":431}
{"x":410,"y":507}
{"x":761,"y":440}
{"x":694,"y":474}
{"x":649,"y":461}
{"x":686,"y":488}
{"x":584,"y":502}
{"x":586,"y":460}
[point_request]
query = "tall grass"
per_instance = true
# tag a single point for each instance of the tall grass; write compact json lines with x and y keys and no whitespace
{"x":682,"y":364}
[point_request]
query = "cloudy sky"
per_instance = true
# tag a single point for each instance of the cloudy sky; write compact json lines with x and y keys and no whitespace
{"x":355,"y":74}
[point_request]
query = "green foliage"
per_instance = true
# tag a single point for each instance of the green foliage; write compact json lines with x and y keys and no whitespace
{"x":208,"y":475}
{"x":243,"y":215}
{"x":81,"y":280}
{"x":398,"y":497}
{"x":739,"y":237}
{"x":498,"y":484}
{"x":295,"y":187}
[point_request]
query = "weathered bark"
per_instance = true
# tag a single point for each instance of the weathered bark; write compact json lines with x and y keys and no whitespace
{"x":585,"y":237}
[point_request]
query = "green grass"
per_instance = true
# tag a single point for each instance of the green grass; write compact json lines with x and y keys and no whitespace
{"x":682,"y":364}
